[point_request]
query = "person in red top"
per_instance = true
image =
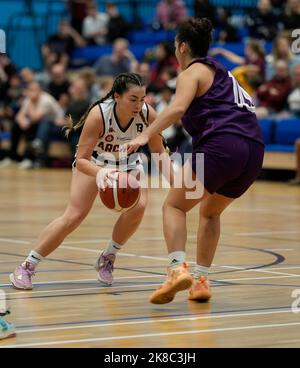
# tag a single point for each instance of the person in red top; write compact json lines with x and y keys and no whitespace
{"x":272,"y":95}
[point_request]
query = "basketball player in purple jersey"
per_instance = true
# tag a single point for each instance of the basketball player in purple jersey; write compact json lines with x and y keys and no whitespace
{"x":220,"y":117}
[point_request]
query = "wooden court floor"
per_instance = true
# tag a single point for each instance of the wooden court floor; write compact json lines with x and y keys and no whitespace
{"x":255,"y":277}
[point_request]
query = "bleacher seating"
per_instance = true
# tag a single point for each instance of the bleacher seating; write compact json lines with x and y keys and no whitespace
{"x":280,"y":136}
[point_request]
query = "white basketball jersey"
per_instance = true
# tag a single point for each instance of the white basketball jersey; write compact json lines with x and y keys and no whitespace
{"x":107,"y":149}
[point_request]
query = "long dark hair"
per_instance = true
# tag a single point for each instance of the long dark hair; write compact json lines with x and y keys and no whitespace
{"x":120,"y":86}
{"x":197,"y":33}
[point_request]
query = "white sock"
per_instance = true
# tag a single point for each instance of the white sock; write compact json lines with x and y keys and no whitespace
{"x":34,"y":258}
{"x":112,"y":248}
{"x":176,"y":258}
{"x":200,"y":271}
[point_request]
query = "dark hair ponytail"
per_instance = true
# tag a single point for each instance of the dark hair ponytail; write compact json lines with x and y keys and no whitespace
{"x":197,"y":33}
{"x":120,"y":86}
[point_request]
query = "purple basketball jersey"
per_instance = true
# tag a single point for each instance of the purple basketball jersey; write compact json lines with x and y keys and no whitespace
{"x":225,"y":108}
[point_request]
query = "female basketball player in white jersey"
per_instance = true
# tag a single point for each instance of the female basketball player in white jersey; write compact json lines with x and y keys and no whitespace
{"x":116,"y":119}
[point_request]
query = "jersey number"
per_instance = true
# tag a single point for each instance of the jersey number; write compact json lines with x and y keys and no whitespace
{"x":241,"y":97}
{"x":139,"y":128}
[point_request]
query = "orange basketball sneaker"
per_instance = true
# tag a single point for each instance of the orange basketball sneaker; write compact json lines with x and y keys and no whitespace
{"x":200,"y":289}
{"x":178,"y":279}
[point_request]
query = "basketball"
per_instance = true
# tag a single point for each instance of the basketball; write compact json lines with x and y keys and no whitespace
{"x":124,"y":194}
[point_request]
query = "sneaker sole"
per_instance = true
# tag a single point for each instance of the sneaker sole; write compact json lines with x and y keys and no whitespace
{"x":202,"y":298}
{"x":15,"y":284}
{"x":104,"y":282}
{"x":167,"y":297}
{"x":8,"y":335}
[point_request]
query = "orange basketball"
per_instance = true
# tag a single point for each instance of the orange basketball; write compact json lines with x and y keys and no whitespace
{"x":124,"y":194}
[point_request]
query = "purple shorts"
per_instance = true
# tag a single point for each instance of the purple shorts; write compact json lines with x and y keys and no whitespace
{"x":231,"y":163}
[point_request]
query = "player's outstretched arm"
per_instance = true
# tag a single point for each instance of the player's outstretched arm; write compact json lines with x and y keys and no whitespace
{"x":186,"y":90}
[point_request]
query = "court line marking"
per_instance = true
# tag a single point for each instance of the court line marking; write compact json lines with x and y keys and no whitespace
{"x":164,"y":320}
{"x":14,"y":241}
{"x":164,"y":259}
{"x":81,"y":289}
{"x":257,"y":233}
{"x":127,"y":337}
{"x":133,"y":286}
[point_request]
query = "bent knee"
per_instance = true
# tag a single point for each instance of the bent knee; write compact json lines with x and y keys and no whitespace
{"x":73,"y":220}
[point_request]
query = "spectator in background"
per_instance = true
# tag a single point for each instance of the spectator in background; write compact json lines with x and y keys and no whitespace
{"x":95,"y":26}
{"x":294,"y":96}
{"x":59,"y":47}
{"x":89,"y":76}
{"x":272,"y":95}
{"x":106,"y":84}
{"x":251,"y":67}
{"x":59,"y":84}
{"x":27,"y":76}
{"x":7,"y":70}
{"x":291,"y":16}
{"x":263,"y":22}
{"x":144,"y":70}
{"x":117,"y":27}
{"x":228,"y":33}
{"x":165,"y":57}
{"x":48,"y":129}
{"x":281,"y":51}
{"x":11,"y":102}
{"x":78,"y":10}
{"x":170,"y":13}
{"x":79,"y":104}
{"x":37,"y":107}
{"x":204,"y":9}
{"x":120,"y":61}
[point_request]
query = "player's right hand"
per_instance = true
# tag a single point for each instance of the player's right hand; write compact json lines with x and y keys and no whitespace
{"x":105,"y":178}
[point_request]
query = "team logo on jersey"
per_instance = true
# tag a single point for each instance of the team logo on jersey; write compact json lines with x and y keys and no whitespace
{"x":109,"y":138}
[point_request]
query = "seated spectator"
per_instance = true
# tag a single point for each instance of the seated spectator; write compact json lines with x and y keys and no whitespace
{"x":294,"y":96}
{"x":89,"y":76}
{"x":120,"y":61}
{"x":253,"y":64}
{"x":170,"y":13}
{"x":59,"y":47}
{"x":291,"y":16}
{"x":77,"y":106}
{"x":106,"y":84}
{"x":281,"y":51}
{"x":144,"y":70}
{"x":117,"y":27}
{"x":228,"y":33}
{"x":58,"y":86}
{"x":37,"y":107}
{"x":7,"y":74}
{"x":95,"y":26}
{"x":27,"y":76}
{"x":11,"y":102}
{"x":272,"y":95}
{"x":164,"y":57}
{"x":254,"y":54}
{"x":263,"y":22}
{"x":204,"y":9}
